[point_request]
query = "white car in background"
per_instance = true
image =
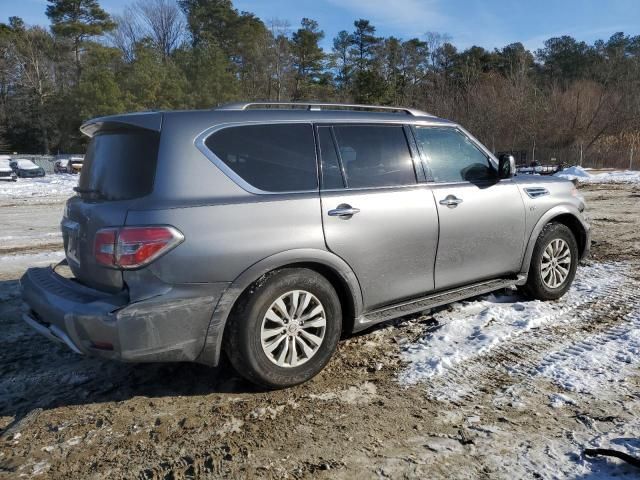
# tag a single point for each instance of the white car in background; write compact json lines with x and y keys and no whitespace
{"x":26,"y":168}
{"x":6,"y":172}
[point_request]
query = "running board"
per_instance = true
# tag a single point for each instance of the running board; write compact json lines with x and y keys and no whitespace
{"x":431,"y":301}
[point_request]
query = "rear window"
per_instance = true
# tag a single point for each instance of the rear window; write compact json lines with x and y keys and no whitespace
{"x":120,"y":165}
{"x":272,"y":158}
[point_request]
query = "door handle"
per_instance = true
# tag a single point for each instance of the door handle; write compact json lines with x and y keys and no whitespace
{"x":451,"y":201}
{"x":343,"y":210}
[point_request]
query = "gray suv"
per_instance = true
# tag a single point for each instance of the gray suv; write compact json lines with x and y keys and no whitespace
{"x":266,"y":231}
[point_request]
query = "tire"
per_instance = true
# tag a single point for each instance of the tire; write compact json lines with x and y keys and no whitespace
{"x":257,"y":312}
{"x":552,"y":283}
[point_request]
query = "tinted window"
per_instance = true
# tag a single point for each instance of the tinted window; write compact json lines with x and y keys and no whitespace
{"x":331,"y":173}
{"x":273,"y":158}
{"x":120,"y":165}
{"x":452,"y":156}
{"x":375,"y":156}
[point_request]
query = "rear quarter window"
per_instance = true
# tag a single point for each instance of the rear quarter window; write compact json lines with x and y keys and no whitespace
{"x":271,"y":158}
{"x":120,"y":164}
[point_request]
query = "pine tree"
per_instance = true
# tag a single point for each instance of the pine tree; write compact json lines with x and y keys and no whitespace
{"x":78,"y":20}
{"x":308,"y":57}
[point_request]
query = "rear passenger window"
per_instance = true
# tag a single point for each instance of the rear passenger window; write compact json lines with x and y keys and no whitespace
{"x":273,"y":158}
{"x":375,"y":156}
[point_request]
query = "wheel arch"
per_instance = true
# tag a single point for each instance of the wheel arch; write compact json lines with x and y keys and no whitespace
{"x":568,"y":216}
{"x":332,"y":267}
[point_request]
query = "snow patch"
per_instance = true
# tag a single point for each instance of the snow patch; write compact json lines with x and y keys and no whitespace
{"x":615,"y":176}
{"x":17,"y":263}
{"x":49,"y":185}
{"x":595,"y":364}
{"x":558,"y":400}
{"x":573,"y":172}
{"x":473,"y":328}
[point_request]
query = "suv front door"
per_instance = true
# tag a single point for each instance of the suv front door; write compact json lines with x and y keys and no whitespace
{"x":482,"y":219}
{"x":375,"y":215}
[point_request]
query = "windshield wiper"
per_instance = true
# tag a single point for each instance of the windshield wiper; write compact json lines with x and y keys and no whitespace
{"x":89,"y":191}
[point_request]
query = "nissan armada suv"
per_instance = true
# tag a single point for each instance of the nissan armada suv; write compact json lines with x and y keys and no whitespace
{"x":266,"y":231}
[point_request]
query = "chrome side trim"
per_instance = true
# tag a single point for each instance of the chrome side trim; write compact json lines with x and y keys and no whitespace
{"x":202,"y":137}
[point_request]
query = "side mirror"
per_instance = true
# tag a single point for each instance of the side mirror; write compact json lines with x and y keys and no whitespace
{"x":506,"y":166}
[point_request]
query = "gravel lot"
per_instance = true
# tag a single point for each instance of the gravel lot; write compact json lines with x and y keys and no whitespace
{"x":523,"y":404}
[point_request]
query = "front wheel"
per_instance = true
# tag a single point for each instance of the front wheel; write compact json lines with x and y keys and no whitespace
{"x":285,"y":329}
{"x":553,"y":263}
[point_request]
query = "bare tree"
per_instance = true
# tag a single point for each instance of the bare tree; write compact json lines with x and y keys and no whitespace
{"x":35,"y":73}
{"x":163,"y":22}
{"x":280,"y":31}
{"x":126,"y":34}
{"x":435,"y":41}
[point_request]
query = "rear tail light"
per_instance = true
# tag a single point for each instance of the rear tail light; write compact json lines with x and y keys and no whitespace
{"x":134,"y":247}
{"x":105,"y":246}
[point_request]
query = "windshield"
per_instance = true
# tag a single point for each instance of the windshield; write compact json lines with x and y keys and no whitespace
{"x":27,"y":164}
{"x":120,"y":164}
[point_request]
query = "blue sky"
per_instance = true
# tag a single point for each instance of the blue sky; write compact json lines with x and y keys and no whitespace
{"x":488,"y":23}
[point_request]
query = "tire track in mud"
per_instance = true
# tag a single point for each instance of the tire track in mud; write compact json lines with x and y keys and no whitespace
{"x":510,"y":369}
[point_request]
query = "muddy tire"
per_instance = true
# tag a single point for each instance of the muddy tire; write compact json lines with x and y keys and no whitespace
{"x":553,"y":263}
{"x":285,"y":328}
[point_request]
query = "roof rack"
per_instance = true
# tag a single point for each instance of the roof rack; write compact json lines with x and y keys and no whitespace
{"x":315,"y":106}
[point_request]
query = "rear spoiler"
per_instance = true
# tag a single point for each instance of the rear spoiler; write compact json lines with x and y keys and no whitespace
{"x":146,"y":120}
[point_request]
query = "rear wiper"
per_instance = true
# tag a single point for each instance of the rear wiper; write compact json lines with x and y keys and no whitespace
{"x":89,"y":191}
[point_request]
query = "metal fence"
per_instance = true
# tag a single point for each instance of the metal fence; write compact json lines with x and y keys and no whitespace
{"x":46,"y":161}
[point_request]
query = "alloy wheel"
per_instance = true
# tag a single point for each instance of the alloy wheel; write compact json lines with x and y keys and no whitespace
{"x":293,"y":328}
{"x":556,"y":263}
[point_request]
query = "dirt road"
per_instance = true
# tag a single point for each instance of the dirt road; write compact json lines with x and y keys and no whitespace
{"x":545,"y":381}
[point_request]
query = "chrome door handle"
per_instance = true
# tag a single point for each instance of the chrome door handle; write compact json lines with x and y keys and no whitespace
{"x":451,"y":201}
{"x":343,"y":210}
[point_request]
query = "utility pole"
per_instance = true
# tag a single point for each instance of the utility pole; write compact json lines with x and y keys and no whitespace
{"x":631,"y":157}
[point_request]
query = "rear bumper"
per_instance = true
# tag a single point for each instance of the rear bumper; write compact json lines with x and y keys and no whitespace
{"x":167,"y":326}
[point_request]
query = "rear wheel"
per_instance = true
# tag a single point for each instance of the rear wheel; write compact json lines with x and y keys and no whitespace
{"x":553,"y":263}
{"x":286,"y":329}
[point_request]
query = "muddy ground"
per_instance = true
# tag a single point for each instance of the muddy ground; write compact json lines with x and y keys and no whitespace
{"x":65,"y":416}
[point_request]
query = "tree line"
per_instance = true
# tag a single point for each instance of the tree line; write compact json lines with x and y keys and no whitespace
{"x":570,"y":101}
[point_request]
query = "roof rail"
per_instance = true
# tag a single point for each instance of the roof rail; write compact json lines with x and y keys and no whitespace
{"x":319,"y":106}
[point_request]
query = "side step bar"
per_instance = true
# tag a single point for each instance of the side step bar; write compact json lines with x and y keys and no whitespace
{"x":434,"y":300}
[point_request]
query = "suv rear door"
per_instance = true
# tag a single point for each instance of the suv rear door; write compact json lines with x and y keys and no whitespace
{"x":482,"y":219}
{"x":376,"y":215}
{"x":119,"y":168}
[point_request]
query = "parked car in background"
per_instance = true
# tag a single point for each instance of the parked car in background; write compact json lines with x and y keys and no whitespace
{"x":266,"y":233}
{"x":6,"y":172}
{"x":26,"y":168}
{"x":75,"y":164}
{"x":62,"y":166}
{"x":68,"y":165}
